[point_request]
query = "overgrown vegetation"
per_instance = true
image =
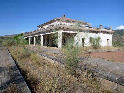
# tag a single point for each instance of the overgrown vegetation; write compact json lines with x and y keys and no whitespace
{"x":54,"y":39}
{"x":14,"y":40}
{"x":71,"y":57}
{"x":117,"y":44}
{"x":4,"y":39}
{"x":95,"y":42}
{"x":44,"y":76}
{"x":118,"y":38}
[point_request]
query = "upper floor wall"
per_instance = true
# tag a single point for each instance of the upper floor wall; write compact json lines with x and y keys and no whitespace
{"x":58,"y":23}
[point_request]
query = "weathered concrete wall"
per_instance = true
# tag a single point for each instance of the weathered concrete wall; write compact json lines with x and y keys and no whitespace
{"x":87,"y":35}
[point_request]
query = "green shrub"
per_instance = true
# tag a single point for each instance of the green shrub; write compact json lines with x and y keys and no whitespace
{"x":19,"y":39}
{"x":16,"y":40}
{"x":95,"y":42}
{"x":71,"y":57}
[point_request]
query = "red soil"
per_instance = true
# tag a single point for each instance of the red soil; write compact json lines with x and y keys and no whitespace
{"x":117,"y":56}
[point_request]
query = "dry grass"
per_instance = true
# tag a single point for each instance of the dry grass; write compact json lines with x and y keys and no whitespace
{"x":44,"y":76}
{"x":11,"y":89}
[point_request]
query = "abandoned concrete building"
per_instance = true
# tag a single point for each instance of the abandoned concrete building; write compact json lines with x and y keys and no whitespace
{"x":56,"y":33}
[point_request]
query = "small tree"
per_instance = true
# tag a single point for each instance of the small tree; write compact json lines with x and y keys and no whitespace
{"x":95,"y":42}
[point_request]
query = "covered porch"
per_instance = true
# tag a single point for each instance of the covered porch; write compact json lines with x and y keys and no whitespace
{"x":53,"y":39}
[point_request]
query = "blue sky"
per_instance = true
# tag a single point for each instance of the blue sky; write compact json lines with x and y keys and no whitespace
{"x":17,"y":16}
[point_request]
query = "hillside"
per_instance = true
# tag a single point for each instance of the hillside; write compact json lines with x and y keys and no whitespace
{"x":118,"y":38}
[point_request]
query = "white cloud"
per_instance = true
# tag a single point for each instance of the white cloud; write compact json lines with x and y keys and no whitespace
{"x":120,"y":27}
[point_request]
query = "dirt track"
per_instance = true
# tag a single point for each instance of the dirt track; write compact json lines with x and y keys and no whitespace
{"x":115,"y":56}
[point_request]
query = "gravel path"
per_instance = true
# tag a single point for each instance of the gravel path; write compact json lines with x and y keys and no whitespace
{"x":10,"y":77}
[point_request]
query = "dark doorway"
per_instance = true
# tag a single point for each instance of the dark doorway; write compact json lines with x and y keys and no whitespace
{"x":107,"y":42}
{"x":50,"y":40}
{"x":83,"y":42}
{"x":67,"y":37}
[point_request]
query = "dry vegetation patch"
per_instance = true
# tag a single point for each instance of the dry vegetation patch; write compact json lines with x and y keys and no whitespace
{"x":44,"y":76}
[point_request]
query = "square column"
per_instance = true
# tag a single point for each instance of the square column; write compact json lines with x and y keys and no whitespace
{"x":29,"y":40}
{"x":41,"y":39}
{"x":34,"y":40}
{"x":59,"y":39}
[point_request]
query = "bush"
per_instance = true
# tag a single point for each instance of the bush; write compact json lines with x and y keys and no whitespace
{"x":19,"y":39}
{"x":16,"y":40}
{"x":71,"y":57}
{"x":21,"y":52}
{"x":8,"y":42}
{"x":95,"y":42}
{"x":117,"y":44}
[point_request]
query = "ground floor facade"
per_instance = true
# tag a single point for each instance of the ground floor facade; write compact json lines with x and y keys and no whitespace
{"x":60,"y":38}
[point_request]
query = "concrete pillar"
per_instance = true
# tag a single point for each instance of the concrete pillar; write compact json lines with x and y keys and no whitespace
{"x":59,"y":39}
{"x":34,"y":40}
{"x":41,"y":40}
{"x":29,"y":40}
